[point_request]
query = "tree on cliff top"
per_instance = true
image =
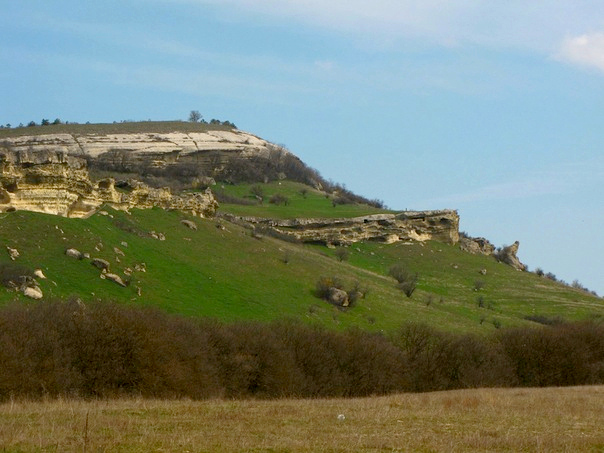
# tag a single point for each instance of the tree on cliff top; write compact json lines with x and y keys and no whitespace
{"x":195,"y":116}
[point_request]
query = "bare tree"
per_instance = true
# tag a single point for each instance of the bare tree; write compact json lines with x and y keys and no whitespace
{"x":195,"y":116}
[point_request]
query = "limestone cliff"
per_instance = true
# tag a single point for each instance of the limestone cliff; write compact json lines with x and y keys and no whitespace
{"x":409,"y":225}
{"x":207,"y":150}
{"x":53,"y":182}
{"x":48,"y":173}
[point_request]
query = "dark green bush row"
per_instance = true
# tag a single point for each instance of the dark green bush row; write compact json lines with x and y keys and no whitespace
{"x":108,"y":350}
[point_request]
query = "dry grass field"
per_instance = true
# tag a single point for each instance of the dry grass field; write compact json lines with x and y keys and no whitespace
{"x":546,"y":420}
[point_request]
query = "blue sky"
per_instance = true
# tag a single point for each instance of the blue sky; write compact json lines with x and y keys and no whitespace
{"x":492,"y":108}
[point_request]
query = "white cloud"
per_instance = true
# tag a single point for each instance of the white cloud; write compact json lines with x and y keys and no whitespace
{"x":584,"y":50}
{"x":535,"y":25}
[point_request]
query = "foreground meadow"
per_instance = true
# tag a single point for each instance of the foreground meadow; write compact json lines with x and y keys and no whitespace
{"x":546,"y":419}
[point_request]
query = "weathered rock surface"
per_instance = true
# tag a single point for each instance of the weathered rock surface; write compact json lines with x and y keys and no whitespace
{"x":189,"y":224}
{"x":74,"y":253}
{"x":409,"y":225}
{"x":12,"y":253}
{"x":508,"y":256}
{"x":100,"y":263}
{"x":33,"y":292}
{"x":338,"y":297}
{"x":115,"y":278}
{"x":57,"y":183}
{"x":476,"y":246}
{"x":149,"y":144}
{"x":208,"y":151}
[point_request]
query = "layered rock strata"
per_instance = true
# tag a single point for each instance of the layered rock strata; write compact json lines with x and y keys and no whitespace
{"x":54,"y":182}
{"x":94,"y":145}
{"x":388,"y":228}
{"x":207,"y":151}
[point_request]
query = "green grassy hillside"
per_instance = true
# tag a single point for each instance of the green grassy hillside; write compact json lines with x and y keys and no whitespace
{"x":302,"y":201}
{"x":221,"y":271}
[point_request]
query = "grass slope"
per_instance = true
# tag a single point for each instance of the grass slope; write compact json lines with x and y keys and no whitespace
{"x":303,"y":201}
{"x":221,"y":271}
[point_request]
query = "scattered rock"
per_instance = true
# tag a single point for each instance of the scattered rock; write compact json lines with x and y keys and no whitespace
{"x":100,"y":263}
{"x":12,"y":253}
{"x":158,"y":236}
{"x":33,"y":292}
{"x":115,"y":278}
{"x":124,"y":244}
{"x":482,"y":271}
{"x":38,"y":273}
{"x":74,"y":253}
{"x":338,"y":297}
{"x":118,"y":251}
{"x":189,"y":224}
{"x":142,"y":267}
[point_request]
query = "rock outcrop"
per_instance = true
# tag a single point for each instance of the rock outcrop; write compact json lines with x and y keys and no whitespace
{"x":409,"y":225}
{"x":57,"y":183}
{"x":476,"y":246}
{"x":508,"y":256}
{"x":208,"y":151}
{"x":146,"y":144}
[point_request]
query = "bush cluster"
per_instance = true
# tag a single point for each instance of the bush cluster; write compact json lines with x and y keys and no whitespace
{"x":12,"y":274}
{"x":407,"y":280}
{"x":109,"y":350}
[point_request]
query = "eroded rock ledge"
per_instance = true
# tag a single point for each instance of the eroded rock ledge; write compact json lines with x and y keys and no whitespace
{"x":388,"y":228}
{"x":56,"y":183}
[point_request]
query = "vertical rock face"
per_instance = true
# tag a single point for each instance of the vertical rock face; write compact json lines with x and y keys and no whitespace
{"x":55,"y":183}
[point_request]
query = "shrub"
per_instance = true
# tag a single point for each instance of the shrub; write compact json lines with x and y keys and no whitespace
{"x":342,"y":254}
{"x":407,"y":280}
{"x":257,"y":191}
{"x":12,"y":274}
{"x":545,"y":320}
{"x":279,"y":199}
{"x":480,"y":301}
{"x":478,"y":285}
{"x":324,"y":284}
{"x":223,"y":197}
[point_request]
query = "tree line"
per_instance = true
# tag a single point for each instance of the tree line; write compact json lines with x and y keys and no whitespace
{"x":54,"y":349}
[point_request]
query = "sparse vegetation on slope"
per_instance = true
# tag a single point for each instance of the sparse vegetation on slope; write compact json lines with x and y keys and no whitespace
{"x":221,"y":270}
